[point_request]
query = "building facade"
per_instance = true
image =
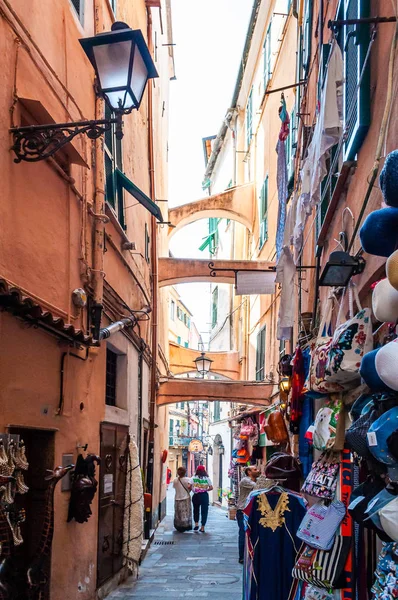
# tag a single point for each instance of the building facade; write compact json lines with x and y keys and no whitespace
{"x":78,"y":253}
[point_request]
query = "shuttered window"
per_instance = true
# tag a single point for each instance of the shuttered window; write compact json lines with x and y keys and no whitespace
{"x":306,"y":36}
{"x":111,"y":377}
{"x":267,"y":58}
{"x":78,"y":5}
{"x":249,"y":119}
{"x":291,"y":144}
{"x":214,"y":307}
{"x":356,"y":100}
{"x":260,"y":355}
{"x":113,"y":161}
{"x":217,"y":410}
{"x":263,"y":213}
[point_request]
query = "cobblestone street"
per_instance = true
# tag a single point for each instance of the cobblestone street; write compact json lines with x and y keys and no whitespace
{"x":189,"y":565}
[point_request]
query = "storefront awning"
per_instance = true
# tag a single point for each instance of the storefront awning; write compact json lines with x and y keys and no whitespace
{"x":125,"y":183}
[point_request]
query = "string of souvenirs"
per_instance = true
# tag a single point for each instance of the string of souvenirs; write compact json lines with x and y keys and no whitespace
{"x":323,"y":523}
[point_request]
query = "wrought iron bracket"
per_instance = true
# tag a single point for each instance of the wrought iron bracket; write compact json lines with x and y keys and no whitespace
{"x":214,"y":270}
{"x":39,"y":142}
{"x":336,"y":24}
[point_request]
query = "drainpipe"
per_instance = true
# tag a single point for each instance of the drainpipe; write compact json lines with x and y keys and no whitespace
{"x":154,"y":264}
{"x":98,"y":208}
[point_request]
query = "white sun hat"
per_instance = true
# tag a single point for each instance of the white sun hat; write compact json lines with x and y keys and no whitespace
{"x":386,"y":362}
{"x":385,"y":302}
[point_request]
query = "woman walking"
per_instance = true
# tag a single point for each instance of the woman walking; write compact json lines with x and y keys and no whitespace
{"x":202,"y":485}
{"x":182,"y":501}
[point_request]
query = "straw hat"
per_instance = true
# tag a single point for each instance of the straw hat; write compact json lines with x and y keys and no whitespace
{"x":385,"y":302}
{"x":379,"y":232}
{"x":392,"y":269}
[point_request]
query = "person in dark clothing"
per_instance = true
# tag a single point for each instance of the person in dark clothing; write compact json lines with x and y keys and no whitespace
{"x":201,"y":486}
{"x":246,"y":485}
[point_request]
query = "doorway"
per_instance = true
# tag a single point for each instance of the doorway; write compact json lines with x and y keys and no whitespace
{"x":39,"y":445}
{"x":112,"y":486}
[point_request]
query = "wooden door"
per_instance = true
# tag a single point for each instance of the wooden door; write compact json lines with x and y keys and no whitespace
{"x":112,"y":486}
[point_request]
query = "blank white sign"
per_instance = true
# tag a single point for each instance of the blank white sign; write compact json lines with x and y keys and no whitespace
{"x":255,"y":282}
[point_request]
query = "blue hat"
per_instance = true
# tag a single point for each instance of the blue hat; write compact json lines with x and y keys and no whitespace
{"x":378,"y":434}
{"x":389,"y":179}
{"x":379,"y":232}
{"x":369,"y":374}
{"x":376,"y":504}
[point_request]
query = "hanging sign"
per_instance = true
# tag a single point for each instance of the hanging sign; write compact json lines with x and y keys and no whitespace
{"x":195,"y":446}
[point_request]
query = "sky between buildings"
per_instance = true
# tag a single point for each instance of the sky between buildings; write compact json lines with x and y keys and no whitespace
{"x":209,"y":37}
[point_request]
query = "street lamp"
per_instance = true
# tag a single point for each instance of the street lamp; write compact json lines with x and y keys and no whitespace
{"x":285,"y":385}
{"x":203,"y":364}
{"x":340,"y":268}
{"x":122,"y":65}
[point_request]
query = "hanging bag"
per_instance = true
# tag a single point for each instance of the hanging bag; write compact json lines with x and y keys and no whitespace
{"x":350,"y":342}
{"x":319,"y":348}
{"x":324,"y":569}
{"x":328,"y":429}
{"x":275,"y":428}
{"x":322,"y":479}
{"x":319,"y":526}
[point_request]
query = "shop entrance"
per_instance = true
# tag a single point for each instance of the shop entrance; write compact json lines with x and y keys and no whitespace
{"x":112,"y":484}
{"x":40,"y":455}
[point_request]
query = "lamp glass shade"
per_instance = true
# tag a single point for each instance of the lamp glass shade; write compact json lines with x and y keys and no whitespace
{"x":123,"y":65}
{"x":203,"y":363}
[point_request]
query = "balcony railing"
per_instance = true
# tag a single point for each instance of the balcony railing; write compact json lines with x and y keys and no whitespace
{"x":180,"y":441}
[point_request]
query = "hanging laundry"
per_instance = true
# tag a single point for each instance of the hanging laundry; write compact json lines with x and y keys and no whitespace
{"x":285,"y":274}
{"x":282,"y":176}
{"x":328,"y":131}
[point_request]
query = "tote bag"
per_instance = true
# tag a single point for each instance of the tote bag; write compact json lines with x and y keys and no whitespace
{"x":328,"y":429}
{"x":350,"y":342}
{"x":319,"y":347}
{"x":319,"y":526}
{"x":324,"y":569}
{"x":322,"y":479}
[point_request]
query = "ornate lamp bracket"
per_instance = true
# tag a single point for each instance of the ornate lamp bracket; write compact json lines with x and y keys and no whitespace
{"x":38,"y":142}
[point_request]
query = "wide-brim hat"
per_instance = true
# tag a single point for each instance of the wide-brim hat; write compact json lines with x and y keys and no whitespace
{"x":389,"y":179}
{"x":360,"y":499}
{"x":379,"y":431}
{"x":392,"y":269}
{"x":385,"y":302}
{"x":375,"y":505}
{"x":369,"y":373}
{"x":379,"y":232}
{"x":386,"y":364}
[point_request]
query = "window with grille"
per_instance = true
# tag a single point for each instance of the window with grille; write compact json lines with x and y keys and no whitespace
{"x":263,"y":213}
{"x":214,"y":307}
{"x":267,"y":58}
{"x":78,"y":5}
{"x":113,"y":161}
{"x":260,"y":355}
{"x":249,"y":119}
{"x":111,"y":376}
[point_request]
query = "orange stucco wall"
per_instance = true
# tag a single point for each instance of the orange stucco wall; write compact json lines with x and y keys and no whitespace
{"x":46,"y":249}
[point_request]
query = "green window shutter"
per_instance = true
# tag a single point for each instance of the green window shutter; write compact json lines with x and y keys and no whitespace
{"x":267,"y":58}
{"x":249,"y":118}
{"x":306,"y":38}
{"x":260,"y":355}
{"x":214,"y":307}
{"x":186,"y":344}
{"x":264,"y":213}
{"x":113,"y":153}
{"x":217,"y":410}
{"x":179,"y":340}
{"x":356,"y":99}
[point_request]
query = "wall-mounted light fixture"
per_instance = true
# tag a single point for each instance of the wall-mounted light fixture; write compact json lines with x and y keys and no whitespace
{"x":123,"y":65}
{"x":339,"y":269}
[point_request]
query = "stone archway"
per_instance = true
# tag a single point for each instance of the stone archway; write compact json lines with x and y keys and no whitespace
{"x":235,"y":203}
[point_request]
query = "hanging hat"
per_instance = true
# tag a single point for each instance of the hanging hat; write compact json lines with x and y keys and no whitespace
{"x":388,"y":519}
{"x":375,"y":505}
{"x":389,"y":179}
{"x":378,"y":434}
{"x":386,"y":364}
{"x":369,"y":373}
{"x":392,"y":269}
{"x":379,"y":232}
{"x":392,"y":445}
{"x":385,"y":302}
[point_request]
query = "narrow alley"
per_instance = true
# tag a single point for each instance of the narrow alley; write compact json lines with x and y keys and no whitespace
{"x":189,"y":565}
